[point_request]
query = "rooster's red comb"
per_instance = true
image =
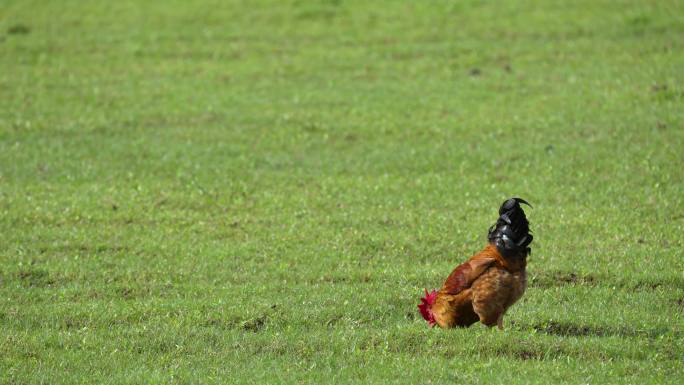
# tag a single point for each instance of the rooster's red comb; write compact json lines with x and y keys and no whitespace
{"x":425,"y":306}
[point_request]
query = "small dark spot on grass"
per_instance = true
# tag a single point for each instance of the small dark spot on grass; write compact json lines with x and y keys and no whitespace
{"x":258,"y":323}
{"x":336,"y":279}
{"x":507,"y":67}
{"x":564,"y":329}
{"x":665,"y":93}
{"x":651,"y":283}
{"x":135,"y":291}
{"x":659,"y":87}
{"x":410,"y":315}
{"x":520,"y":351}
{"x":332,"y":279}
{"x":312,"y":127}
{"x":370,"y":344}
{"x":125,"y":292}
{"x":385,"y":222}
{"x":648,"y":285}
{"x":255,"y":324}
{"x":333,"y":320}
{"x":370,"y":246}
{"x":527,"y":355}
{"x":222,"y":323}
{"x":475,"y":72}
{"x":30,"y":355}
{"x":570,"y":278}
{"x":558,"y":278}
{"x":35,"y":278}
{"x":85,"y":248}
{"x":317,"y":14}
{"x":680,"y":302}
{"x":115,"y":207}
{"x":549,"y":148}
{"x":18,"y":29}
{"x":639,"y":20}
{"x":639,"y":24}
{"x":74,"y":323}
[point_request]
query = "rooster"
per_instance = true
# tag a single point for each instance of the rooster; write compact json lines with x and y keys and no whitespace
{"x":486,"y":285}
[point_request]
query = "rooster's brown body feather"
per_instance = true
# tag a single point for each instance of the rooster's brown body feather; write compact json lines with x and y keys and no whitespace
{"x":480,"y":289}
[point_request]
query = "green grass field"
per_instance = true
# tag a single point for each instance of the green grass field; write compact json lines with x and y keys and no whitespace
{"x":258,"y":191}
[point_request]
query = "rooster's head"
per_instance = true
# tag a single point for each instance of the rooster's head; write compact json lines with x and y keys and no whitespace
{"x":425,"y":306}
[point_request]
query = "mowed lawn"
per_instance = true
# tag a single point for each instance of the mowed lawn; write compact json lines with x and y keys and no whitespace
{"x":258,"y":191}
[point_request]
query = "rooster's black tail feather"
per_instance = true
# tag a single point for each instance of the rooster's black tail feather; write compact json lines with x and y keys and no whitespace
{"x":511,"y":233}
